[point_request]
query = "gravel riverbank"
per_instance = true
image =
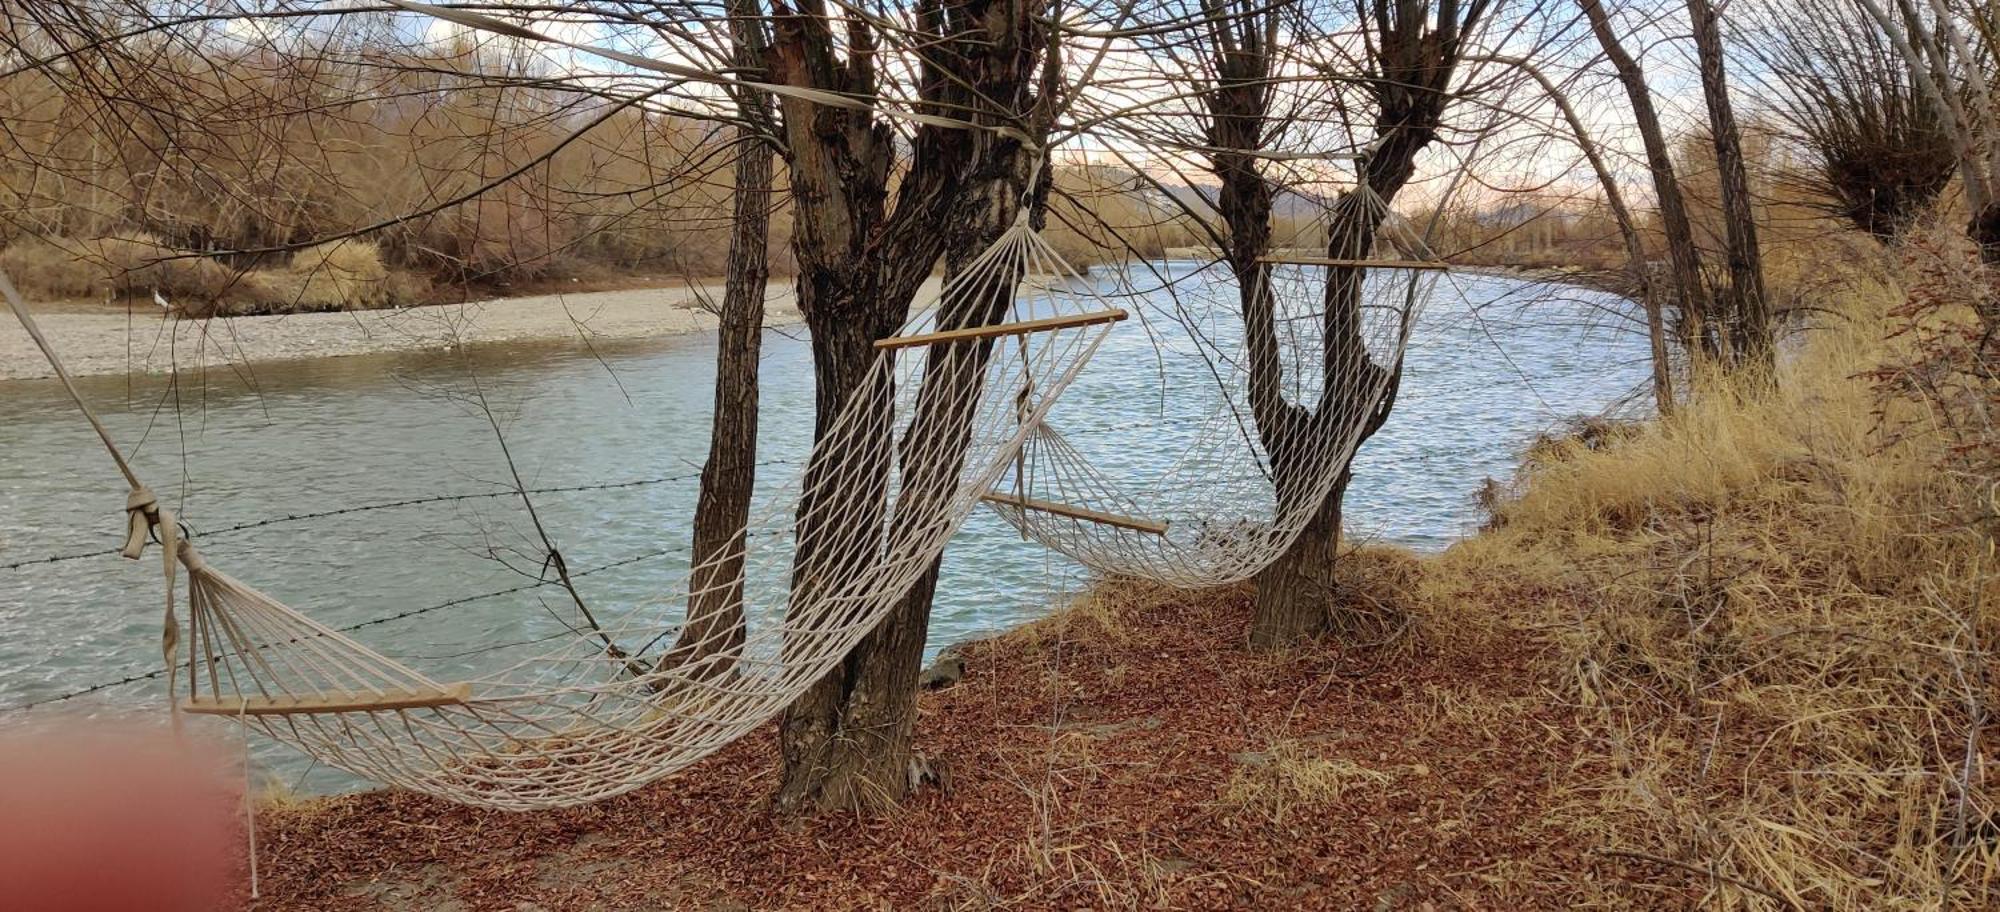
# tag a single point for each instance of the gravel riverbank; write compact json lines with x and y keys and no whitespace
{"x":99,"y":339}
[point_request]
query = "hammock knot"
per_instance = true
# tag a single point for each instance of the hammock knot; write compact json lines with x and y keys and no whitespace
{"x":192,"y":559}
{"x":142,"y":509}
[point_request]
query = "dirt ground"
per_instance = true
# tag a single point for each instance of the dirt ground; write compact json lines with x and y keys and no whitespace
{"x":1126,"y":754}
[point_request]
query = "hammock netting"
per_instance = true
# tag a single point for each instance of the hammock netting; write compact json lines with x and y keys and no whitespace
{"x":947,"y":418}
{"x":1215,"y":514}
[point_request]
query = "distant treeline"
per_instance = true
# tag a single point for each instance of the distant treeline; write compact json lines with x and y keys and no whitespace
{"x":260,"y":182}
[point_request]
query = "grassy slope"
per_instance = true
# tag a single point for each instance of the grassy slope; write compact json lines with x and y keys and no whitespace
{"x":1733,"y":660}
{"x":1776,"y":614}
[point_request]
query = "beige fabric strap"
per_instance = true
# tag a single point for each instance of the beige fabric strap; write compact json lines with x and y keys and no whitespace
{"x":141,"y":511}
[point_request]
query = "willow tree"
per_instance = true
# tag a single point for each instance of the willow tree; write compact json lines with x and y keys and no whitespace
{"x":1883,"y":153}
{"x":870,"y":224}
{"x":1751,"y":340}
{"x":1406,"y":73}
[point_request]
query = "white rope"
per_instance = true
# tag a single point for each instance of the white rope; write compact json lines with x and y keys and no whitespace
{"x":927,"y":433}
{"x":884,"y":488}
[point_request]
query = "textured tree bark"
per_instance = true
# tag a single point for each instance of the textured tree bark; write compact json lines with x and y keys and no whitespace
{"x":1414,"y":56}
{"x":713,"y":634}
{"x":846,"y":742}
{"x":1296,"y":597}
{"x":823,"y":763}
{"x":1751,"y":339}
{"x":1300,"y":584}
{"x":857,"y":730}
{"x":1684,"y":257}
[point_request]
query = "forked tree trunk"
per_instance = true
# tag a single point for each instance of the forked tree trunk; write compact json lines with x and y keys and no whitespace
{"x":1297,"y":599}
{"x":1416,"y":52}
{"x":1682,"y":254}
{"x":864,"y":719}
{"x":714,"y":630}
{"x":846,"y":741}
{"x":839,"y":523}
{"x":850,"y":297}
{"x":1752,"y":343}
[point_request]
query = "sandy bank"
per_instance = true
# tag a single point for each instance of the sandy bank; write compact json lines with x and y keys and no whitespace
{"x":103,"y":340}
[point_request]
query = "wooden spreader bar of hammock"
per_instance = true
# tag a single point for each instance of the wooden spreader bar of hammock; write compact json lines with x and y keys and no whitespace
{"x":1359,"y":264}
{"x":1018,"y":328}
{"x":1083,"y":513}
{"x":333,"y":701}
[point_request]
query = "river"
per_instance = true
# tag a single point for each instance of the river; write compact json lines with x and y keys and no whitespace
{"x":1492,"y":362}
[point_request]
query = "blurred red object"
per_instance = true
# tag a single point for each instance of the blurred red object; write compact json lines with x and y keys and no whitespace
{"x":116,"y":817}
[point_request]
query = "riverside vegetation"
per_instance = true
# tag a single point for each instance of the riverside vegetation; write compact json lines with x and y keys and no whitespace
{"x":1737,"y":657}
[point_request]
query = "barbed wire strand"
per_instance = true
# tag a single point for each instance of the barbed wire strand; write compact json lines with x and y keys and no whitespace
{"x":389,"y":505}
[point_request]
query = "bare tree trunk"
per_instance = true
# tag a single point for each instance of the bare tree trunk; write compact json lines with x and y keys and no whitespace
{"x":1682,"y":254}
{"x":1628,"y":231}
{"x":851,"y":288}
{"x":869,"y":761}
{"x":1750,"y":333}
{"x":1296,"y":596}
{"x":846,"y":742}
{"x":1301,"y":582}
{"x":714,"y":629}
{"x":1411,"y":65}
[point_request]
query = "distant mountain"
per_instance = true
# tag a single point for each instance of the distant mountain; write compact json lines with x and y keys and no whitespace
{"x":1287,"y":204}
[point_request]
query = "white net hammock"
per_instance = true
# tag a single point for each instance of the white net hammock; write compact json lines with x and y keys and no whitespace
{"x":884,"y":489}
{"x":1225,"y":507}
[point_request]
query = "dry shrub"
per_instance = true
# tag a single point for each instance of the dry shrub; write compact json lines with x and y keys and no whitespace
{"x":340,"y":275}
{"x":132,"y":263}
{"x":1781,"y":608}
{"x":45,"y":269}
{"x":1377,"y":591}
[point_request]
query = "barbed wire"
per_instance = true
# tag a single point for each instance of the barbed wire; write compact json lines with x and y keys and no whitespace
{"x":137,"y":677}
{"x":389,"y":505}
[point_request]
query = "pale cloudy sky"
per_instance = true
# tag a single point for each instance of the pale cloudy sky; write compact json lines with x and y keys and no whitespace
{"x":1124,"y":76}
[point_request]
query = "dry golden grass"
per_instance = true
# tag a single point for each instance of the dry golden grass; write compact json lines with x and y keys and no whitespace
{"x":341,"y":275}
{"x":1780,"y":610}
{"x":119,"y":264}
{"x":1292,"y":776}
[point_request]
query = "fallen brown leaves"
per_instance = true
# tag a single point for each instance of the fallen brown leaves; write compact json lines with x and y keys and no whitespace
{"x":1109,"y":758}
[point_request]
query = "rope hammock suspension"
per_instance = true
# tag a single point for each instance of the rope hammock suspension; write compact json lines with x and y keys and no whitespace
{"x":1239,"y":494}
{"x":884,"y":489}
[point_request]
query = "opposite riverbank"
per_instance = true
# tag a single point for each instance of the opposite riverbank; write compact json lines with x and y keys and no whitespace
{"x":101,"y":339}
